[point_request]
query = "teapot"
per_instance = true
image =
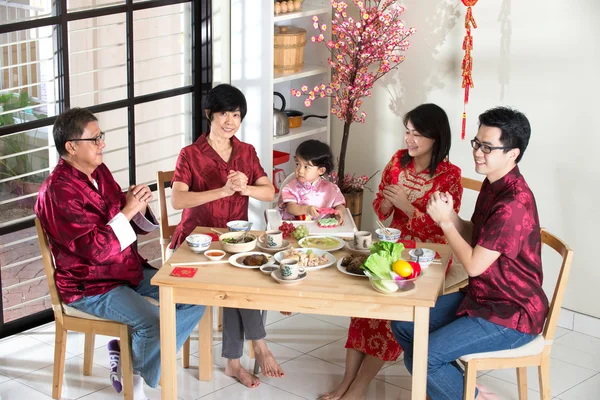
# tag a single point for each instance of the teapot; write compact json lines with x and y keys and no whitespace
{"x":280,"y":118}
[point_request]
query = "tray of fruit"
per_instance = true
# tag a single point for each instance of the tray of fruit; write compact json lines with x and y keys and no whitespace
{"x":345,"y":230}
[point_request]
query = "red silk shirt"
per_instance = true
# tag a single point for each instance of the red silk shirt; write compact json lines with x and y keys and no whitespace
{"x":418,"y":187}
{"x":509,"y":292}
{"x":201,"y":168}
{"x":87,"y":253}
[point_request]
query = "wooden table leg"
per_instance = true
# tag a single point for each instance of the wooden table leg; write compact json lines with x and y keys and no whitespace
{"x":420,"y":351}
{"x":168,"y":355}
{"x":205,"y":346}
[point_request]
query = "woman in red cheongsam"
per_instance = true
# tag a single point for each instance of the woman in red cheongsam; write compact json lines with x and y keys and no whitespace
{"x":409,"y":179}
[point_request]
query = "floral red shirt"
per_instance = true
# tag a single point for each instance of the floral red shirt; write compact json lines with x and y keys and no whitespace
{"x":74,"y":215}
{"x":509,"y":292}
{"x":201,"y":168}
{"x":419,"y":187}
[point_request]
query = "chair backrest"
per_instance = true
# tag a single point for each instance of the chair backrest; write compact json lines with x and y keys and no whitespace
{"x":287,"y":180}
{"x":559,"y":291}
{"x":50,"y":270}
{"x":166,"y":230}
{"x":472,"y":184}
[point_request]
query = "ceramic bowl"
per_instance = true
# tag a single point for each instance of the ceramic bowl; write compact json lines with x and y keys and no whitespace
{"x":426,"y":259}
{"x":215,"y":255}
{"x":268,"y":268}
{"x":395,"y":235}
{"x":239,"y":226}
{"x":248,"y":245}
{"x":198,"y":243}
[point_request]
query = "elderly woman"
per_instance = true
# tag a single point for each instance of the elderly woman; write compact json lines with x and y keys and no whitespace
{"x":213,"y":181}
{"x":408,"y":181}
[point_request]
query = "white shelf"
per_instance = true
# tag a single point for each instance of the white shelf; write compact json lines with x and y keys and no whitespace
{"x":307,"y":10}
{"x":308,"y":128}
{"x":308,"y":70}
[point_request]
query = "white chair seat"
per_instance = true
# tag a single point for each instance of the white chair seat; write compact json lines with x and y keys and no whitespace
{"x":530,"y":349}
{"x":456,"y":274}
{"x":73,"y":312}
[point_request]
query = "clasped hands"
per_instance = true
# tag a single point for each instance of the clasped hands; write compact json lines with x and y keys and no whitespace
{"x":137,"y":198}
{"x":236,"y":182}
{"x":440,"y":207}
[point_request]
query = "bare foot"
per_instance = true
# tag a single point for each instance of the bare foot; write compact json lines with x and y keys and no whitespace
{"x":268,"y":366}
{"x":235,"y":370}
{"x":335,"y":395}
{"x":485,"y":394}
{"x":288,"y":313}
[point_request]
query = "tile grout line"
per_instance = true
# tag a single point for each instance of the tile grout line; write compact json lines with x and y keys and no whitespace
{"x":585,"y":380}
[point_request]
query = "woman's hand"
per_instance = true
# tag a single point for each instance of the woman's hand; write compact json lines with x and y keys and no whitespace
{"x":239,"y":180}
{"x":440,"y":207}
{"x":396,"y":195}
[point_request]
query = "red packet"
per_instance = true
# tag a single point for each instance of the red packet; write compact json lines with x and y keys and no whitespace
{"x":214,"y":236}
{"x":184,"y":272}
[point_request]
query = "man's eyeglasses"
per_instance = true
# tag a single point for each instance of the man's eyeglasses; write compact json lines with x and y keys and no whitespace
{"x":95,"y":139}
{"x":485,"y":148}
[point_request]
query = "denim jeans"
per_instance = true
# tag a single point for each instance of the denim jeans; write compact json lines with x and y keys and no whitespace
{"x":125,"y":304}
{"x":451,"y":337}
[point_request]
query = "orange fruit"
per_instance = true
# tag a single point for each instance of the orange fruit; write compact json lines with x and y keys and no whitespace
{"x":402,"y":268}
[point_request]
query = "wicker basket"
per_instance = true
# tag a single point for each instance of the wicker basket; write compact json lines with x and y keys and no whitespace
{"x":289,"y":44}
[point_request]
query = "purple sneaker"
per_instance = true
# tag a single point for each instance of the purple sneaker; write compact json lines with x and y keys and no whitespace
{"x":114,"y":356}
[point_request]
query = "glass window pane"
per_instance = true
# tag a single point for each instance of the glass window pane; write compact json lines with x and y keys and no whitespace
{"x":162,"y":48}
{"x":24,"y":10}
{"x":98,"y":60}
{"x":27,"y":77}
{"x":25,"y":160}
{"x":80,"y":5}
{"x":116,"y":153}
{"x":162,"y":128}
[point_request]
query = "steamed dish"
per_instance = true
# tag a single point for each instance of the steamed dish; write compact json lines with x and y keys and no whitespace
{"x":323,"y":243}
{"x":306,"y":258}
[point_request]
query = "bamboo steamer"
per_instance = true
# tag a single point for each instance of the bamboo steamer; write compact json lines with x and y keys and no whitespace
{"x":289,"y":44}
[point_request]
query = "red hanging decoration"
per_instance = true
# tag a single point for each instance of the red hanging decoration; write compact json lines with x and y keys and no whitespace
{"x":467,"y":63}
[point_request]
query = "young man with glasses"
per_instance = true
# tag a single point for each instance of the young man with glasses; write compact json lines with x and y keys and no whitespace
{"x":504,"y":305}
{"x":91,"y":226}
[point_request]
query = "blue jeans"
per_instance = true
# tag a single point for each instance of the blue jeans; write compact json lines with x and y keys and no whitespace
{"x":451,"y":337}
{"x":125,"y":304}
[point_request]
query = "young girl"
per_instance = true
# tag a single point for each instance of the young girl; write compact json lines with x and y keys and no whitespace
{"x":310,"y":192}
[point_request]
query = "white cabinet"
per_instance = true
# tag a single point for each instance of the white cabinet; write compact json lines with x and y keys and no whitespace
{"x":252,"y":29}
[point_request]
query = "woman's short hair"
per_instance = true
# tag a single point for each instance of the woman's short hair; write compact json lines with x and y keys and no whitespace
{"x":514,"y":126}
{"x":317,"y":153}
{"x":70,"y":125}
{"x":225,"y":97}
{"x":431,"y":121}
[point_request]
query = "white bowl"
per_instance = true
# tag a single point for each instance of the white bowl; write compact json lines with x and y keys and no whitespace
{"x":395,"y":235}
{"x":199,"y":242}
{"x":426,"y":259}
{"x":237,"y":247}
{"x":215,"y":255}
{"x":239,"y":226}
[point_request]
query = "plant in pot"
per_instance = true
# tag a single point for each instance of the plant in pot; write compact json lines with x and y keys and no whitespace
{"x":362,"y":50}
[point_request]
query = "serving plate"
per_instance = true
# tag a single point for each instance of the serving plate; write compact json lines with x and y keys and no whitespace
{"x":233,"y":260}
{"x":331,"y":258}
{"x":319,"y":242}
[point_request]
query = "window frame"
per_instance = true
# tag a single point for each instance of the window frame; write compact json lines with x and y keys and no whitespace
{"x":201,"y":59}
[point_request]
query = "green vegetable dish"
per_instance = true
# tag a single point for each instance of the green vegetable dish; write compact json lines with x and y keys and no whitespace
{"x":379,"y":264}
{"x":234,"y":240}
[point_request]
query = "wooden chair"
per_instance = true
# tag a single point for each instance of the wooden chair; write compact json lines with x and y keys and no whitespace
{"x":70,"y":319}
{"x":457,"y":277}
{"x":536,"y":352}
{"x":166,"y":233}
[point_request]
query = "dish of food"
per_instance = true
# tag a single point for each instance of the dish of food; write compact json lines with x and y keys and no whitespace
{"x":251,"y":259}
{"x":247,"y":239}
{"x":350,"y":265}
{"x":310,"y":259}
{"x":328,"y":243}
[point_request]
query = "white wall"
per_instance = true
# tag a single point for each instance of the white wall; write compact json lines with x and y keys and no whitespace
{"x":540,"y":56}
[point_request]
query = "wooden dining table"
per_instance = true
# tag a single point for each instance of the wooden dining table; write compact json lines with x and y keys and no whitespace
{"x":325,"y":291}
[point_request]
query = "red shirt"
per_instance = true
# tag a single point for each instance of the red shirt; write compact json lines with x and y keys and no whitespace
{"x":201,"y":168}
{"x":509,"y":292}
{"x":418,"y":187}
{"x":74,"y":215}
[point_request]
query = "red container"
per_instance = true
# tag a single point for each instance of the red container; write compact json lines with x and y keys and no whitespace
{"x":279,"y":157}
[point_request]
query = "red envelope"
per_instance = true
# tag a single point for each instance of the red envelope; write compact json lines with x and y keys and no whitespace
{"x":214,"y":236}
{"x":184,"y":272}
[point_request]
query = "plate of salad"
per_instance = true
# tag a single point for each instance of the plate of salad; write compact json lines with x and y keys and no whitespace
{"x":379,"y":268}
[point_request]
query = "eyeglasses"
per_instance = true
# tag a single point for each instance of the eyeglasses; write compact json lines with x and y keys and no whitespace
{"x":95,"y":139}
{"x":485,"y":148}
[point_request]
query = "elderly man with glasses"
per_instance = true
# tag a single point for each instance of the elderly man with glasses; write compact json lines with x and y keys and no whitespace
{"x":91,"y":226}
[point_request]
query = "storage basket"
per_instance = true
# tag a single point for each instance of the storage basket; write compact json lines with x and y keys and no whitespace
{"x":289,"y":42}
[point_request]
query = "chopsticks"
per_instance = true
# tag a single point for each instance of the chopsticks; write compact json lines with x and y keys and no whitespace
{"x":385,"y":230}
{"x":198,"y":263}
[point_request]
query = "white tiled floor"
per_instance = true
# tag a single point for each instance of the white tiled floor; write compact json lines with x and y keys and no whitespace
{"x":310,"y":350}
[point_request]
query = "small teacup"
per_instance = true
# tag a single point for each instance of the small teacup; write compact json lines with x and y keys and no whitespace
{"x":289,"y":269}
{"x":362,"y":240}
{"x":272,"y":238}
